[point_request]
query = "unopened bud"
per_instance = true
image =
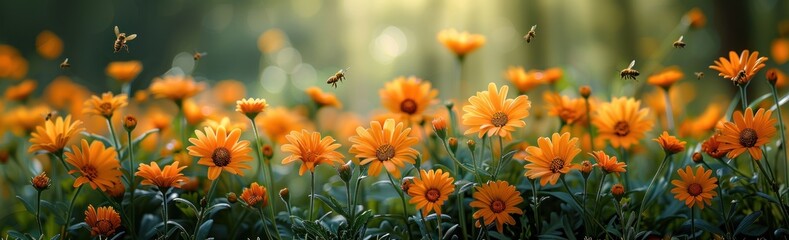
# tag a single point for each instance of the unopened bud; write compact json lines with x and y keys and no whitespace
{"x":231,"y":197}
{"x":449,"y":104}
{"x":41,"y":182}
{"x":406,"y":184}
{"x":440,"y":127}
{"x":586,"y":168}
{"x":772,"y":76}
{"x":203,"y":202}
{"x":453,"y":144}
{"x":618,"y":191}
{"x":698,"y":158}
{"x":284,"y":194}
{"x":267,"y":150}
{"x":471,"y":145}
{"x":586,"y":91}
{"x":129,"y":123}
{"x":345,"y":172}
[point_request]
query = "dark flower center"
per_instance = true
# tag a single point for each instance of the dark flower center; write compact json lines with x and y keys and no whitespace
{"x":497,"y":206}
{"x":408,"y":106}
{"x":385,"y":152}
{"x":105,"y":227}
{"x":90,"y":172}
{"x":622,"y":128}
{"x":556,"y":165}
{"x":748,"y":137}
{"x":432,"y":195}
{"x":694,"y":189}
{"x":499,"y":119}
{"x":106,"y":108}
{"x":221,"y":157}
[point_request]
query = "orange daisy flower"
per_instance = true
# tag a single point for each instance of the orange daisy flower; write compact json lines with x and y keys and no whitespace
{"x":53,"y":136}
{"x":695,"y":17}
{"x":255,"y":195}
{"x":323,"y":98}
{"x":23,"y":120}
{"x":570,"y":111}
{"x":747,"y":132}
{"x":496,"y":201}
{"x":106,"y":105}
{"x":695,"y":189}
{"x":703,"y":124}
{"x":12,"y":64}
{"x":20,"y":91}
{"x":430,"y":190}
{"x":607,"y":163}
{"x":124,"y":71}
{"x":96,"y":164}
{"x":779,"y":50}
{"x":522,"y":80}
{"x":102,"y":221}
{"x":670,"y":144}
{"x":552,"y":158}
{"x":49,"y":45}
{"x":176,"y":88}
{"x":739,"y":69}
{"x":169,"y":176}
{"x":311,"y":149}
{"x":491,"y":112}
{"x":278,"y":122}
{"x":712,"y":147}
{"x":666,"y":78}
{"x":460,"y":43}
{"x":220,"y":150}
{"x":387,"y":146}
{"x":251,"y":107}
{"x":409,"y":96}
{"x":229,"y":91}
{"x":622,"y":122}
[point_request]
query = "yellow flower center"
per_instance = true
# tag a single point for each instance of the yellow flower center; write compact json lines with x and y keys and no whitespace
{"x":221,"y":157}
{"x":556,"y":165}
{"x":105,"y":109}
{"x":432,"y":195}
{"x":499,"y":119}
{"x":622,"y":128}
{"x":89,"y":172}
{"x":497,"y":206}
{"x":694,"y":189}
{"x":408,"y":106}
{"x":385,"y":152}
{"x":748,"y":137}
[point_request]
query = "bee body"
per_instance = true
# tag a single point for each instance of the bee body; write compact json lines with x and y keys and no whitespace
{"x":699,"y":75}
{"x":337,"y":77}
{"x":740,"y":78}
{"x":531,"y":34}
{"x":121,"y":39}
{"x":629,"y":72}
{"x":199,"y":55}
{"x":65,"y":64}
{"x":679,"y":43}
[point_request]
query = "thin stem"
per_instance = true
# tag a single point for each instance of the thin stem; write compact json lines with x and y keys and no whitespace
{"x":440,"y":232}
{"x":583,"y":207}
{"x":267,"y":178}
{"x":734,"y":169}
{"x":348,"y":195}
{"x":405,"y":209}
{"x":589,"y":123}
{"x":114,"y":139}
{"x":132,"y":183}
{"x":724,"y":214}
{"x":693,"y":222}
{"x":64,"y":233}
{"x":781,"y":131}
{"x":164,"y":212}
{"x":623,"y":153}
{"x":651,"y":184}
{"x":774,"y":187}
{"x":238,"y":223}
{"x":536,"y":205}
{"x":597,"y":198}
{"x":586,"y":217}
{"x":312,"y":196}
{"x":263,"y":219}
{"x":424,"y":223}
{"x":38,"y":213}
{"x":461,"y":210}
{"x":669,"y":112}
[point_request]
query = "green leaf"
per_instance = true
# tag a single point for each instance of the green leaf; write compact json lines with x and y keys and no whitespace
{"x":144,"y":135}
{"x":568,"y":229}
{"x":215,"y":208}
{"x":91,"y":137}
{"x":707,"y":227}
{"x":202,"y":232}
{"x":747,"y":221}
{"x":768,"y":197}
{"x":333,"y":204}
{"x":58,"y":212}
{"x":184,"y":204}
{"x":733,"y":105}
{"x":27,"y":204}
{"x":118,"y":235}
{"x":756,"y":102}
{"x":565,"y":197}
{"x":466,"y":185}
{"x":17,"y":235}
{"x":781,"y":102}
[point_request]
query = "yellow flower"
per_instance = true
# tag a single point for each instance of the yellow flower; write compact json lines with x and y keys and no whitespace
{"x":495,"y":201}
{"x":220,"y":150}
{"x":53,"y":136}
{"x":323,"y":98}
{"x":96,"y":164}
{"x":49,"y":45}
{"x":255,"y":195}
{"x":430,"y":190}
{"x":622,"y":122}
{"x":278,"y":122}
{"x":492,"y":113}
{"x":522,"y":80}
{"x":460,"y":43}
{"x":386,"y":146}
{"x":20,"y":91}
{"x":695,"y":189}
{"x":712,"y":147}
{"x":748,"y":132}
{"x":607,"y":163}
{"x":23,"y":120}
{"x":311,"y":149}
{"x":169,"y":176}
{"x":570,"y":111}
{"x":552,"y":158}
{"x":226,"y":123}
{"x":194,"y":113}
{"x":102,"y":221}
{"x":176,"y":88}
{"x":124,"y":71}
{"x":409,"y":96}
{"x":739,"y":69}
{"x":666,"y":78}
{"x":106,"y":105}
{"x":229,"y":91}
{"x":251,"y":107}
{"x":703,"y":124}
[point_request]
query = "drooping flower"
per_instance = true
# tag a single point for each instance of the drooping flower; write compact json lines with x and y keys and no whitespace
{"x":255,"y":195}
{"x":430,"y":190}
{"x":552,"y":158}
{"x":124,"y":71}
{"x":492,"y":113}
{"x":739,"y":69}
{"x":608,"y":164}
{"x":54,"y":135}
{"x":570,"y":111}
{"x":409,"y":96}
{"x":748,"y":132}
{"x":163,"y":178}
{"x":220,"y":150}
{"x":106,"y":105}
{"x":695,"y":189}
{"x":622,"y":122}
{"x":311,"y":149}
{"x":96,"y":164}
{"x":102,"y":221}
{"x":387,"y":146}
{"x":495,"y":202}
{"x":460,"y":43}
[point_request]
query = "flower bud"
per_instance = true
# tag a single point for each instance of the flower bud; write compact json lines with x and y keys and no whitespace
{"x":586,"y":168}
{"x":267,"y":150}
{"x":471,"y":145}
{"x":406,"y":184}
{"x":4,"y":156}
{"x":41,"y":182}
{"x":284,"y":194}
{"x":440,"y":127}
{"x":585,"y":90}
{"x":231,"y":197}
{"x":618,"y":191}
{"x":129,"y":123}
{"x":698,"y":158}
{"x":203,"y":202}
{"x":449,"y":104}
{"x":345,"y":172}
{"x":453,"y":144}
{"x":772,"y":76}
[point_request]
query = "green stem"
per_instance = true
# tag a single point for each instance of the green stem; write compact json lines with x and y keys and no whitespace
{"x":724,"y":214}
{"x":237,"y":223}
{"x":64,"y":232}
{"x":589,"y":124}
{"x":268,"y":177}
{"x":263,"y":219}
{"x":693,"y":222}
{"x":583,"y":207}
{"x":781,"y":131}
{"x":132,"y":183}
{"x":114,"y":139}
{"x":597,"y":198}
{"x":405,"y":209}
{"x":461,"y":210}
{"x":646,"y":194}
{"x":623,"y":153}
{"x":586,"y":217}
{"x":312,"y":196}
{"x":440,"y":232}
{"x":348,"y":196}
{"x":774,"y":188}
{"x":165,"y":213}
{"x":734,"y":169}
{"x":38,"y":213}
{"x":536,"y":205}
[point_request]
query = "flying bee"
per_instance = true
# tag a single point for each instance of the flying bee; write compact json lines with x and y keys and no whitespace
{"x":679,"y":43}
{"x":531,"y":34}
{"x":121,"y":39}
{"x":199,"y":55}
{"x":50,"y":115}
{"x":740,"y":77}
{"x":337,"y":77}
{"x":629,"y":72}
{"x":699,"y":75}
{"x":65,"y":64}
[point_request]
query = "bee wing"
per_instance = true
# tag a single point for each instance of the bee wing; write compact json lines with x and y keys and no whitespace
{"x":680,"y":38}
{"x":533,"y":28}
{"x":117,"y":32}
{"x":633,"y":63}
{"x":203,"y":54}
{"x":65,"y":61}
{"x":131,"y":37}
